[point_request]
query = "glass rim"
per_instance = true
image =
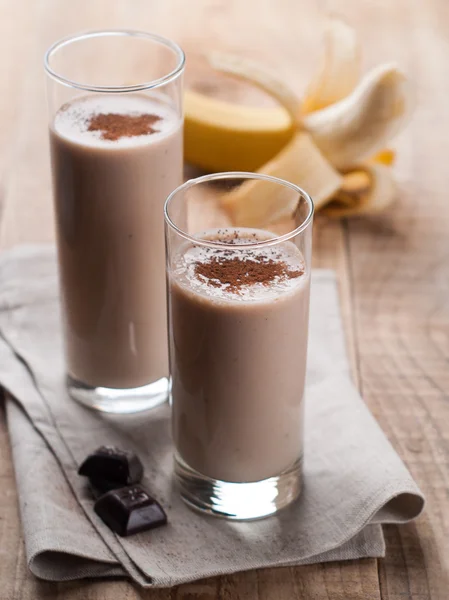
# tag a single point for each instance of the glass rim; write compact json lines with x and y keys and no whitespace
{"x":171,"y":76}
{"x":240,"y":175}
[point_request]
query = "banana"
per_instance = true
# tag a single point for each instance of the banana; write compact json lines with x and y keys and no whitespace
{"x":221,"y":136}
{"x":331,"y":143}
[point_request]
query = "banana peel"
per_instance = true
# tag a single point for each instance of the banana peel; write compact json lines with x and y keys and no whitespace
{"x":228,"y":137}
{"x":360,"y":125}
{"x":330,"y":143}
{"x":340,"y":70}
{"x":368,"y":189}
{"x":220,"y":136}
{"x":253,"y":204}
{"x":240,"y":67}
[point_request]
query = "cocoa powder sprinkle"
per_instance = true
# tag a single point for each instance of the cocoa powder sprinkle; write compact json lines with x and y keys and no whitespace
{"x":237,"y":272}
{"x":114,"y":126}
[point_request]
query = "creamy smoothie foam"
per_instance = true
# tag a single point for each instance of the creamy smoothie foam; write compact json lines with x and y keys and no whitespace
{"x":115,"y":159}
{"x":239,"y":322}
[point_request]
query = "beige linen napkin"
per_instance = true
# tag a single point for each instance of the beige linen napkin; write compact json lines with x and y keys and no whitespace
{"x":353,"y":478}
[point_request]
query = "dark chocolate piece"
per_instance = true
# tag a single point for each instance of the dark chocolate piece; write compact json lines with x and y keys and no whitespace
{"x":130,"y":510}
{"x":112,"y":465}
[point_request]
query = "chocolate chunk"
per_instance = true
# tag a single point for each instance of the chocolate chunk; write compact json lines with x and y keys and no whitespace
{"x":130,"y":510}
{"x":112,"y":465}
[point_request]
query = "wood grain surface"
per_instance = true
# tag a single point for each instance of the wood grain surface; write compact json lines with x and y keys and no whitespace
{"x":393,"y":269}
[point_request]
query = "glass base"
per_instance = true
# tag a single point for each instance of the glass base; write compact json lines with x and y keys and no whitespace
{"x":239,"y":501}
{"x":119,"y":401}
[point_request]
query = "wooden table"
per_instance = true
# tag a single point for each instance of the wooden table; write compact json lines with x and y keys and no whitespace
{"x":393,"y":269}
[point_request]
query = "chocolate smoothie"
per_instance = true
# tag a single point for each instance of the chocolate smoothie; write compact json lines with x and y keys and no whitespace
{"x":238,"y":343}
{"x":115,"y":158}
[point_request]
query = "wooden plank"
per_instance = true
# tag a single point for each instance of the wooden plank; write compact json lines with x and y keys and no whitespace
{"x":393,"y":269}
{"x":399,"y":279}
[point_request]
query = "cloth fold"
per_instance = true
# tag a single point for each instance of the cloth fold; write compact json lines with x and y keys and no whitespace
{"x":354,"y":480}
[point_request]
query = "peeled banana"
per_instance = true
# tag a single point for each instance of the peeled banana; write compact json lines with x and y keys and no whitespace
{"x":330,"y":143}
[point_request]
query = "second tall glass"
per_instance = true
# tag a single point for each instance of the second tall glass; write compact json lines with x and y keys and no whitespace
{"x":115,"y":102}
{"x":238,"y":314}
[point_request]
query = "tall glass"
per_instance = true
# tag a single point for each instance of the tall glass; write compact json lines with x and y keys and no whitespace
{"x":115,"y":109}
{"x":238,"y":322}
